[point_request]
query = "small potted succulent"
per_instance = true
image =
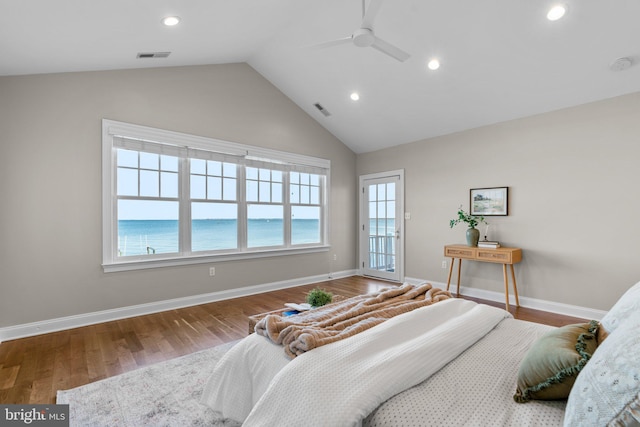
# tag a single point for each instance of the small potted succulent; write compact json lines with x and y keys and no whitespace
{"x":473,"y":234}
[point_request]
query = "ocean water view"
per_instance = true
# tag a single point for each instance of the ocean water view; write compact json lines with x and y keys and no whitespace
{"x":141,"y":237}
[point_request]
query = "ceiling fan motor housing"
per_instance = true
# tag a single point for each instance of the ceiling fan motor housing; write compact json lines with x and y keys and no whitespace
{"x":363,"y":37}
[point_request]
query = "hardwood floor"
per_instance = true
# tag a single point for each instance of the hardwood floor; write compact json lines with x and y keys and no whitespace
{"x":33,"y":369}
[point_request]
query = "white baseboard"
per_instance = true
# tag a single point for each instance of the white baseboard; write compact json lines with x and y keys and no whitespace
{"x":537,"y":304}
{"x":69,"y":322}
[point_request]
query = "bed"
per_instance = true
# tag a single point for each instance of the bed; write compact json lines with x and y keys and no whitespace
{"x":451,"y":363}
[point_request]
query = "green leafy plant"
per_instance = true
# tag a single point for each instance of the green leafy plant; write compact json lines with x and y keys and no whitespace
{"x":319,"y":297}
{"x":468,"y":218}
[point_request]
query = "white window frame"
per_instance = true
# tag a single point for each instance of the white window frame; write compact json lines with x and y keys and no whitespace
{"x":242,"y":154}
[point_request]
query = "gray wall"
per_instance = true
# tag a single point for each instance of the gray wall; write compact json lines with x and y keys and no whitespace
{"x":574,"y":202}
{"x":50,"y":182}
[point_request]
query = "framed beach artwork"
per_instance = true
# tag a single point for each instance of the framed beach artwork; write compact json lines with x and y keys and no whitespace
{"x":489,"y":201}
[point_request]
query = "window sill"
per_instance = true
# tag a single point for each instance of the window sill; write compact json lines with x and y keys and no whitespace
{"x":203,"y":259}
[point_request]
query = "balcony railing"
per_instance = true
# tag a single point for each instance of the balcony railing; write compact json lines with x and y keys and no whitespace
{"x":382,"y":251}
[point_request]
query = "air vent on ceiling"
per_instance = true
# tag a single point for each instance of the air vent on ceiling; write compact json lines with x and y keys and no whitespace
{"x":153,"y":55}
{"x":322,"y":109}
{"x":621,"y":64}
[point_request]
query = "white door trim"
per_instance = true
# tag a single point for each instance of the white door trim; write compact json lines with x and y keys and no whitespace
{"x":363,"y":222}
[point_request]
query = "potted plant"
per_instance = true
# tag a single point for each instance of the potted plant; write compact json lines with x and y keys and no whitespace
{"x":473,"y":234}
{"x":319,"y":297}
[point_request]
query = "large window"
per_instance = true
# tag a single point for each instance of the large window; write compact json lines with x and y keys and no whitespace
{"x":172,"y":198}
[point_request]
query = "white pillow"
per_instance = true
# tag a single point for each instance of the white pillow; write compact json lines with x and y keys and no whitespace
{"x":628,"y":304}
{"x":610,"y":381}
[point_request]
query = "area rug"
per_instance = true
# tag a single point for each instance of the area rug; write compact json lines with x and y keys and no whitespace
{"x":163,"y":394}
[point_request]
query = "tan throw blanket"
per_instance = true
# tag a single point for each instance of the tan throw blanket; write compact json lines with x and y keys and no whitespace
{"x":342,"y":319}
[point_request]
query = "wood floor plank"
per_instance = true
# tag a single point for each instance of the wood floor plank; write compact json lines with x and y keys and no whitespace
{"x":28,"y":364}
{"x":33,"y":369}
{"x":62,"y":361}
{"x":43,"y":382}
{"x":93,"y":355}
{"x":8,"y":377}
{"x":41,"y":389}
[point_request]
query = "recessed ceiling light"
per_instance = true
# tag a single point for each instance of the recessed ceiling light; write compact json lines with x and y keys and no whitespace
{"x":354,"y":96}
{"x":170,"y":21}
{"x":434,"y":64}
{"x":556,"y":12}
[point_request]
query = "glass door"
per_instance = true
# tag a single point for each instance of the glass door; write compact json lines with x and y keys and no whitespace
{"x":382,"y":227}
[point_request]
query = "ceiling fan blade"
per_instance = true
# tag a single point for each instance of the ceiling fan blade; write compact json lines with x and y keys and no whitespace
{"x":390,"y":50}
{"x":370,"y":15}
{"x":337,"y":42}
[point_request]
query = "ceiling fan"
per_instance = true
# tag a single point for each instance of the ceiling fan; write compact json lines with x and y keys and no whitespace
{"x":365,"y":37}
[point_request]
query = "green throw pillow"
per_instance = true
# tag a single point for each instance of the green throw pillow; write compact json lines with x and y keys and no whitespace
{"x":551,"y":366}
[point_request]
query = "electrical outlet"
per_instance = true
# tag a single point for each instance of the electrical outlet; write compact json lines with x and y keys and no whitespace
{"x":444,"y":264}
{"x":335,"y":257}
{"x":212,"y":271}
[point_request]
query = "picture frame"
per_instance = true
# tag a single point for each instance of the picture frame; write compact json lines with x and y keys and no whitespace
{"x":493,"y":201}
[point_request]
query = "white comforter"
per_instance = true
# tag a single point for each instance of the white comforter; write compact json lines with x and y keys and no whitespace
{"x":341,"y":383}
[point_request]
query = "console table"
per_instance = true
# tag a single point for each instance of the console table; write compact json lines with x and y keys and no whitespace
{"x":504,"y":256}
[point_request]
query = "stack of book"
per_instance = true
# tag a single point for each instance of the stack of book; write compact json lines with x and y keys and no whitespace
{"x":295,"y":308}
{"x":486,"y":244}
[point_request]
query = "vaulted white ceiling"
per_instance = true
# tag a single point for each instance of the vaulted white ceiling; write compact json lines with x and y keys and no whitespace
{"x":500,"y":59}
